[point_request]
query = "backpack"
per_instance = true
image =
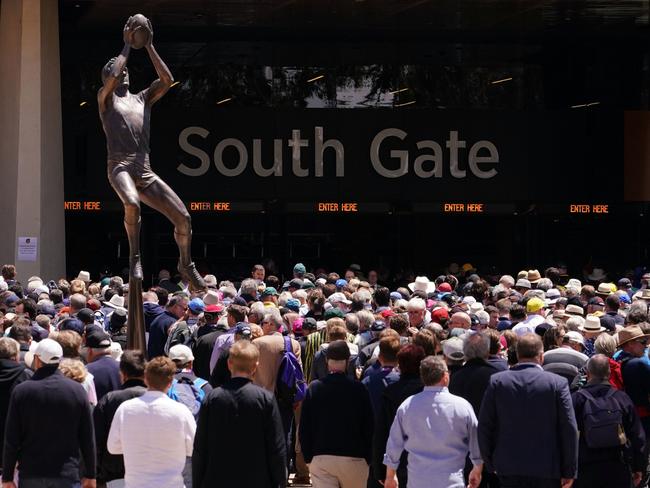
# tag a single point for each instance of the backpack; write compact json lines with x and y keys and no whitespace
{"x":189,"y":393}
{"x":603,"y":421}
{"x":179,"y":334}
{"x":291,"y":386}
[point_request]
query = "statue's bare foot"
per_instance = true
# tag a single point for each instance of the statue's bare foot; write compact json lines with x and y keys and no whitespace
{"x":135,"y":267}
{"x":189,"y":272}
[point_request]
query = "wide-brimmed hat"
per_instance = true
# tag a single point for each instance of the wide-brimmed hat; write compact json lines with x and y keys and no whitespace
{"x":210,"y":280}
{"x":606,"y":289}
{"x":84,"y":276}
{"x":574,"y":283}
{"x":630,"y":333}
{"x":522,"y":283}
{"x":534,"y":276}
{"x":592,"y":324}
{"x":598,"y":274}
{"x":116,"y":302}
{"x":211,"y":298}
{"x":574,"y":310}
{"x":643,"y":294}
{"x":422,"y":283}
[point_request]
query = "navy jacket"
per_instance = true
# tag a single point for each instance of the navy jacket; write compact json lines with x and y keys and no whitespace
{"x":391,"y":398}
{"x":158,"y":334}
{"x":11,"y":375}
{"x":151,"y":311}
{"x":244,"y":419}
{"x":336,"y":419}
{"x":48,"y":424}
{"x":471,"y":381}
{"x":111,"y":466}
{"x":106,"y":373}
{"x":527,"y":426}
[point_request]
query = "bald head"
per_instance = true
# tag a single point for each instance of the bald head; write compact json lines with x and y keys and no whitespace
{"x":598,"y":368}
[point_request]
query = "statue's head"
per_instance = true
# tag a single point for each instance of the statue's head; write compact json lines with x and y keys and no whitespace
{"x":106,"y":72}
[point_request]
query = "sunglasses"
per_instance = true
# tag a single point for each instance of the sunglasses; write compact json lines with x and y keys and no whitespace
{"x":642,"y":341}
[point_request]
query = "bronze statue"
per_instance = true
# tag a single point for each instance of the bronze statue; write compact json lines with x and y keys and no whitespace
{"x":126,"y":120}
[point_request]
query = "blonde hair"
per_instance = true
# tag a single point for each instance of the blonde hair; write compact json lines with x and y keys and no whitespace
{"x":256,"y":331}
{"x":244,"y":356}
{"x":73,"y":369}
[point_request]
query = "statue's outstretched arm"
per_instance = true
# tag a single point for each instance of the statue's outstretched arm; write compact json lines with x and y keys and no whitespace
{"x":113,"y":80}
{"x":165,"y":79}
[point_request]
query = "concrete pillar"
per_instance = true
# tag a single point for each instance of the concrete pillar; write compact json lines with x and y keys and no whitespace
{"x":31,"y":148}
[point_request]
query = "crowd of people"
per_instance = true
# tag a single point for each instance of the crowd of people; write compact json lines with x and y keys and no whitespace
{"x":328,"y":380}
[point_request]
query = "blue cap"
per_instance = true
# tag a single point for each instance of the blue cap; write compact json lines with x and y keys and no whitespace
{"x":340,"y":283}
{"x":378,"y":326}
{"x":196,"y":305}
{"x":299,"y":268}
{"x":394,"y":295}
{"x":242,"y":328}
{"x":72,"y":324}
{"x":293,"y":304}
{"x":625,"y":298}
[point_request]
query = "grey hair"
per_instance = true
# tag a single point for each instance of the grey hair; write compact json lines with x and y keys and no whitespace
{"x":8,"y":348}
{"x":605,"y":344}
{"x":366,"y":319}
{"x":416,"y":304}
{"x":544,"y":284}
{"x":598,"y":367}
{"x":175,"y":300}
{"x":77,"y":301}
{"x":249,"y":286}
{"x":352,"y":323}
{"x":575,"y":322}
{"x":476,"y":346}
{"x":274,"y":318}
{"x":432,"y":369}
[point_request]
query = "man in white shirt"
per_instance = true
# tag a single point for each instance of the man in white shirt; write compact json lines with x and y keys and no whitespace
{"x":153,"y":432}
{"x":535,"y":309}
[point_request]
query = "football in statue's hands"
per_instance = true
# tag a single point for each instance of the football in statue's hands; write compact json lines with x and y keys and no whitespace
{"x":140,"y":31}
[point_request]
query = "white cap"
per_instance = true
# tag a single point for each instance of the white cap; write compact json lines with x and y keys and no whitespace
{"x":49,"y":351}
{"x":469,"y":300}
{"x":338,"y":298}
{"x":574,"y":336}
{"x":181,"y":353}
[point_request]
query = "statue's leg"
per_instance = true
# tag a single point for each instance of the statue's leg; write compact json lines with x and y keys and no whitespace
{"x":159,"y":196}
{"x":125,"y":188}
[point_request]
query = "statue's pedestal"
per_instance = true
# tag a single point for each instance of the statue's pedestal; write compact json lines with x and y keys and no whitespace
{"x":135,"y":324}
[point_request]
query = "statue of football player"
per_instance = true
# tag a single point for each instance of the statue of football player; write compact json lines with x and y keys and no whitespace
{"x":126,"y":118}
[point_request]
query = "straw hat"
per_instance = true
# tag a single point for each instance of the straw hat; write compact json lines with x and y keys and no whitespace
{"x":592,"y":324}
{"x":630,"y":333}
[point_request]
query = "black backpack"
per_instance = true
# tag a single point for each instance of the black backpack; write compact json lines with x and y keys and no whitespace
{"x":602,"y":421}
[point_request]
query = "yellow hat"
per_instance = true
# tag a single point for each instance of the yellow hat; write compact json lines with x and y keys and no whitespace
{"x":534,"y":305}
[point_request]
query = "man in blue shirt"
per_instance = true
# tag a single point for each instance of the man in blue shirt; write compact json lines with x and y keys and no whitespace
{"x":438,"y":430}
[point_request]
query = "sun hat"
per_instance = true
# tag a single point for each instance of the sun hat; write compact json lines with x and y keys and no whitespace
{"x":522,"y":283}
{"x":629,"y":333}
{"x":422,"y":283}
{"x":592,"y":324}
{"x":598,"y":274}
{"x":534,"y":276}
{"x":574,"y":310}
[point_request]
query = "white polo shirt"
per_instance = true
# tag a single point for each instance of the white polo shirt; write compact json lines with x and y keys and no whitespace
{"x":155,"y":434}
